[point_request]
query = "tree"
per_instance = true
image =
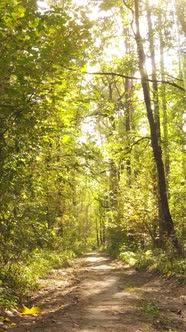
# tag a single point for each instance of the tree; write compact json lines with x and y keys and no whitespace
{"x":39,"y":120}
{"x":153,"y":100}
{"x":167,"y":223}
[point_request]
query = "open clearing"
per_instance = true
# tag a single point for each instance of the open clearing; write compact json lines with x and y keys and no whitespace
{"x":99,"y":294}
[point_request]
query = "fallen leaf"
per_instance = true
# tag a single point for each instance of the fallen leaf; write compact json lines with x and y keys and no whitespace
{"x":6,"y":319}
{"x":30,"y":311}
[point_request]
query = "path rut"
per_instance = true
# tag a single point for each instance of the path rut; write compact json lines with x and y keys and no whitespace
{"x":100,"y":294}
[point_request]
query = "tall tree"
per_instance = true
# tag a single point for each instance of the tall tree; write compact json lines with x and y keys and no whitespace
{"x":39,"y":119}
{"x":167,"y":222}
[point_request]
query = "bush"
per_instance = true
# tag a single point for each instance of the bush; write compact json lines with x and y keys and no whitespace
{"x":155,"y":260}
{"x":19,"y":278}
{"x":128,"y":257}
{"x":164,"y":262}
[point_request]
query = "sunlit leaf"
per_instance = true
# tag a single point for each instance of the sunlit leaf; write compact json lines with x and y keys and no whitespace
{"x":66,"y":138}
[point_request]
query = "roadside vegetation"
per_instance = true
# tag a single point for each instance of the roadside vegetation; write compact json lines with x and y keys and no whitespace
{"x":92,"y":136}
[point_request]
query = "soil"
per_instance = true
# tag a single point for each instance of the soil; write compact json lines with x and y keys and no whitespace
{"x":100,"y":294}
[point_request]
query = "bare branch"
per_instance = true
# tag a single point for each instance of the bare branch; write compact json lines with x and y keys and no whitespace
{"x":136,"y":142}
{"x":137,"y":78}
{"x":126,"y":5}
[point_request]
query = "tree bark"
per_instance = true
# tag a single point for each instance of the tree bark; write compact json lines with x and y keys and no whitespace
{"x":164,"y":104}
{"x":168,"y":225}
{"x":128,"y":108}
{"x":156,"y":112}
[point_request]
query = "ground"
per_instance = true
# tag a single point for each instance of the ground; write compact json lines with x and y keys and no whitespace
{"x":100,"y":294}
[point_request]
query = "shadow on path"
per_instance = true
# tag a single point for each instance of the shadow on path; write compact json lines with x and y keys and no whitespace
{"x":99,"y":294}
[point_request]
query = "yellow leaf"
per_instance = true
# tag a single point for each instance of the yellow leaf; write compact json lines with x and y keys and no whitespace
{"x":13,"y":324}
{"x":6,"y":319}
{"x":30,"y":311}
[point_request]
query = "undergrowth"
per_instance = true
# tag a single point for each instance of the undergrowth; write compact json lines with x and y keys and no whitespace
{"x":18,"y":278}
{"x":150,"y":309}
{"x":158,"y":260}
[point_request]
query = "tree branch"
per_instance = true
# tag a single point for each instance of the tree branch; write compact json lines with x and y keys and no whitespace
{"x":136,"y":142}
{"x":137,"y":78}
{"x":125,"y":4}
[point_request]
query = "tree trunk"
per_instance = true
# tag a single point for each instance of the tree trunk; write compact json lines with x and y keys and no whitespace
{"x":164,"y":105}
{"x":154,"y":71}
{"x":156,"y":113}
{"x":128,"y":108}
{"x":168,"y":226}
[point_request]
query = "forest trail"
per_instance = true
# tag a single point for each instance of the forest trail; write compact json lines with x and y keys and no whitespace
{"x":99,"y":294}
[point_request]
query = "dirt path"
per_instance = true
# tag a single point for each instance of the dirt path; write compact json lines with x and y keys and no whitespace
{"x":100,"y":294}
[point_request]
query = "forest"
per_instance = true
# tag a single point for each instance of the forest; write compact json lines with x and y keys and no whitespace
{"x":92,"y":136}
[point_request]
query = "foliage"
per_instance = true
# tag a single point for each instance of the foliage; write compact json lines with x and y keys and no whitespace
{"x":157,"y":261}
{"x":77,"y":168}
{"x":39,"y":127}
{"x":128,"y":257}
{"x":18,"y":279}
{"x":129,"y":203}
{"x":163,"y":262}
{"x":150,"y":309}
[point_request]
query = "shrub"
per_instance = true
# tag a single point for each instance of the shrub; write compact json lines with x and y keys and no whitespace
{"x":19,"y":278}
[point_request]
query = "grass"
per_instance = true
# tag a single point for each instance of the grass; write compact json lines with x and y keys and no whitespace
{"x":156,"y":260}
{"x":17,"y":279}
{"x":130,"y":287}
{"x":150,"y":309}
